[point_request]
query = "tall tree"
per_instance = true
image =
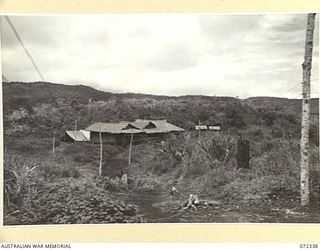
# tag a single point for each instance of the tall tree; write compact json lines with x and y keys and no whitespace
{"x":305,"y":123}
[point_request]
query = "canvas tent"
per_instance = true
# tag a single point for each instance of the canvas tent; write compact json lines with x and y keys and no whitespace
{"x":214,"y":127}
{"x":201,"y":127}
{"x":77,"y":136}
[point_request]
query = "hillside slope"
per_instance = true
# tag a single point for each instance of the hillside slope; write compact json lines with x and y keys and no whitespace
{"x":205,"y":165}
{"x":38,"y":107}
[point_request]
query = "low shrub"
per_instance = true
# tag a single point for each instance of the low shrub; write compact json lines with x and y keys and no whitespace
{"x":209,"y":165}
{"x":20,"y":180}
{"x":74,"y":202}
{"x":201,"y":155}
{"x":51,"y":171}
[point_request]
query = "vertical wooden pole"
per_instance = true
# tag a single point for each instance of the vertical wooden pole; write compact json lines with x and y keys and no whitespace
{"x":75,"y":125}
{"x":130,"y":150}
{"x":54,"y":142}
{"x":305,"y":121}
{"x":101,"y":153}
{"x":283,"y":132}
{"x":199,"y":130}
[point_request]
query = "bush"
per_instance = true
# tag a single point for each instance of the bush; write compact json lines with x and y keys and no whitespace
{"x":210,"y":152}
{"x":162,"y":163}
{"x":274,"y":165}
{"x":20,"y":180}
{"x":51,"y":170}
{"x":71,"y":202}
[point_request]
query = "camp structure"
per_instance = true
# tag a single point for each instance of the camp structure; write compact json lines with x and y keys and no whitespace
{"x":201,"y":127}
{"x":120,"y":133}
{"x":112,"y":133}
{"x":214,"y":127}
{"x":156,"y":127}
{"x":77,"y":136}
{"x":207,"y":127}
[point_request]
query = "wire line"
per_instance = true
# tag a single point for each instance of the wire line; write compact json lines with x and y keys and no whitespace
{"x":24,"y":47}
{"x":4,"y":79}
{"x":31,"y":59}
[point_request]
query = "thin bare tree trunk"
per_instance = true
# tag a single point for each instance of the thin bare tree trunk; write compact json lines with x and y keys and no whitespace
{"x":54,"y":142}
{"x":305,"y":121}
{"x":101,"y":151}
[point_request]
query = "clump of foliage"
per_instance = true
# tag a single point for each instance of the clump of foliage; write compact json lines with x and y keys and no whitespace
{"x":55,"y":193}
{"x":199,"y":155}
{"x":58,"y":166}
{"x":75,"y":202}
{"x":19,"y":182}
{"x":207,"y":165}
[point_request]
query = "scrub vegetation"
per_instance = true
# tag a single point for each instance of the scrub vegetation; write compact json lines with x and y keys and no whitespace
{"x":40,"y":188}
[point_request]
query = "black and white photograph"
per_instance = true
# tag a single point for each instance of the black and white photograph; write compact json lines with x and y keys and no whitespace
{"x":160,"y":118}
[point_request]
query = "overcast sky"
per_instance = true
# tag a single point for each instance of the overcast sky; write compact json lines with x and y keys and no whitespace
{"x":167,"y":54}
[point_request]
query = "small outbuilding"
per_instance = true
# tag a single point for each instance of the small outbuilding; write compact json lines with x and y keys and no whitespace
{"x":201,"y":127}
{"x":214,"y":127}
{"x":207,"y":128}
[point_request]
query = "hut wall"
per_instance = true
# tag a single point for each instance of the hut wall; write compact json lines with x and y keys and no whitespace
{"x":106,"y":138}
{"x":124,"y":139}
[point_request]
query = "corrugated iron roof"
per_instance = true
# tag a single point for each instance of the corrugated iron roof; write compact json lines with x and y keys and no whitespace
{"x":78,"y":135}
{"x":162,"y":126}
{"x":112,"y":128}
{"x":131,"y":131}
{"x":138,"y":126}
{"x":141,"y":124}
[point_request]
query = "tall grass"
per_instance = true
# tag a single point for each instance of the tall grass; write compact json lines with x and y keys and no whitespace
{"x":208,"y":165}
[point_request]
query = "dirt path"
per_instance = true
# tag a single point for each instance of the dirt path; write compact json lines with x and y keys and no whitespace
{"x":161,"y":207}
{"x":158,"y":206}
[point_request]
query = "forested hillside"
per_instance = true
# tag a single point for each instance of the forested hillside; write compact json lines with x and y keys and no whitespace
{"x":62,"y":188}
{"x":38,"y":107}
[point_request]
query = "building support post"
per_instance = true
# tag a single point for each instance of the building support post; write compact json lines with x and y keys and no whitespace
{"x":199,"y":135}
{"x":75,"y":124}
